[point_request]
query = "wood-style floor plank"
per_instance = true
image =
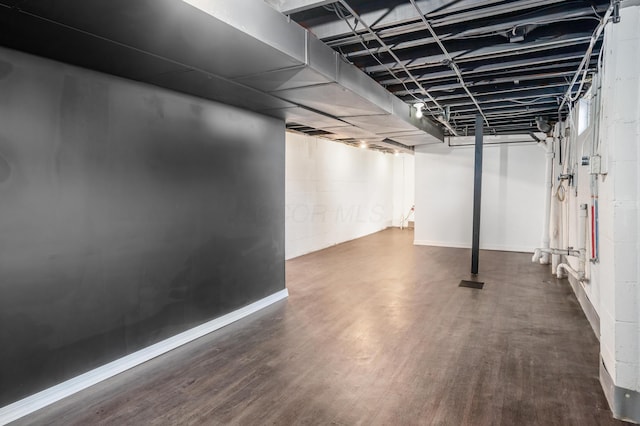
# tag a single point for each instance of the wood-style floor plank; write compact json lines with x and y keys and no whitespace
{"x":375,"y":332}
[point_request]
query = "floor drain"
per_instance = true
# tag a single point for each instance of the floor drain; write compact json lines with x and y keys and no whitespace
{"x":471,"y":284}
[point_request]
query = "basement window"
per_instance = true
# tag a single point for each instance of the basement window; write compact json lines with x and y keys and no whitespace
{"x":584,"y":113}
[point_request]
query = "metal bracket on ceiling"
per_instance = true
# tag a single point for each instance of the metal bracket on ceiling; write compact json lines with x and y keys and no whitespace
{"x":616,"y":11}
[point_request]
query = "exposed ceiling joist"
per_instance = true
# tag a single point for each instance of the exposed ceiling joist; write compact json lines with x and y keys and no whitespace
{"x":409,"y":36}
{"x":442,"y":12}
{"x":288,"y":7}
{"x":492,"y":52}
{"x":529,"y":79}
{"x":496,"y":69}
{"x":514,"y":58}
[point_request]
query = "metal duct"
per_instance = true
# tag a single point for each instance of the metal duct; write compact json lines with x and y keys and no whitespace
{"x":242,"y":53}
{"x":322,"y":83}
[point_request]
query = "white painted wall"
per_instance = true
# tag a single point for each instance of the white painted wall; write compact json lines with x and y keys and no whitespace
{"x":612,"y":286}
{"x":579,"y":144}
{"x":613,"y":282}
{"x":334,"y":193}
{"x":620,"y":294}
{"x":512,"y":196}
{"x":403,"y":188}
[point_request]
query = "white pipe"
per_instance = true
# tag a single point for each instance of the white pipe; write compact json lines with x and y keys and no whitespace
{"x":536,"y":255}
{"x":539,"y":252}
{"x":548,"y":185}
{"x":542,"y":254}
{"x":556,"y":210}
{"x":595,"y":144}
{"x":575,"y":274}
{"x":582,"y":240}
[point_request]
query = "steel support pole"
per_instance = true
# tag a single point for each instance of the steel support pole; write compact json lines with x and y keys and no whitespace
{"x":477,"y":192}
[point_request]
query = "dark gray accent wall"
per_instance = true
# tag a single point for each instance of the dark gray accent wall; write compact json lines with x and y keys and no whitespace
{"x":128,"y":214}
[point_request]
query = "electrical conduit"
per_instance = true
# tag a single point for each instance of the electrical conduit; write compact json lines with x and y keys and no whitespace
{"x":582,"y":250}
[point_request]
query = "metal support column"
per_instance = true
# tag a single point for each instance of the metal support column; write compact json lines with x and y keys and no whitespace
{"x":477,"y":191}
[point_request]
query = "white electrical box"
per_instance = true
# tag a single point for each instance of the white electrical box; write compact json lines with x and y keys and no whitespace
{"x":594,"y":165}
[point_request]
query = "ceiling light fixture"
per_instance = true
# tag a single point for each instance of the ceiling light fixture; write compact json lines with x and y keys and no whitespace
{"x":418,"y":106}
{"x":363,"y":144}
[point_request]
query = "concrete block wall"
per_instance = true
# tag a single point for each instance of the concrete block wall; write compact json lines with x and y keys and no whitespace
{"x":580,"y":144}
{"x":620,"y":133}
{"x":612,"y":286}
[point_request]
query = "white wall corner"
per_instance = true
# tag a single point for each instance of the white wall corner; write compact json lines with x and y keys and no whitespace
{"x":334,"y":193}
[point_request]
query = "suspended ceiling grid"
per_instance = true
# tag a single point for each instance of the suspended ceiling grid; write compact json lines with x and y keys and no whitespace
{"x":517,"y":58}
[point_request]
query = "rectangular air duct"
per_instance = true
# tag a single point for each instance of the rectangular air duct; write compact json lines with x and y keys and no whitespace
{"x":243,"y":53}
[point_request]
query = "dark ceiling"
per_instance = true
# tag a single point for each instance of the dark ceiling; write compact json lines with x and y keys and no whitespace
{"x":514,"y":60}
{"x":517,"y":58}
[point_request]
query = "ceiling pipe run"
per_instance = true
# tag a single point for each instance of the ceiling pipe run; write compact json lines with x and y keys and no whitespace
{"x":489,"y":140}
{"x":450,"y":61}
{"x":387,"y":49}
{"x":596,"y":35}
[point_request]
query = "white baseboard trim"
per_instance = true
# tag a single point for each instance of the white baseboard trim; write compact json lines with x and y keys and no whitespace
{"x":585,"y":303}
{"x":440,"y":244}
{"x":53,"y":394}
{"x":624,"y":403}
{"x":520,"y":249}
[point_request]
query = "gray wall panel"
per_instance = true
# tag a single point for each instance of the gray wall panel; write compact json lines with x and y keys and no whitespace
{"x":128,"y":214}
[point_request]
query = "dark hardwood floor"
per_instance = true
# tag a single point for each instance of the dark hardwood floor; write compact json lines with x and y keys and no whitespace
{"x":375,"y":332}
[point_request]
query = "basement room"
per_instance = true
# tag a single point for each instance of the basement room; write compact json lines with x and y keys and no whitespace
{"x":319,"y":212}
